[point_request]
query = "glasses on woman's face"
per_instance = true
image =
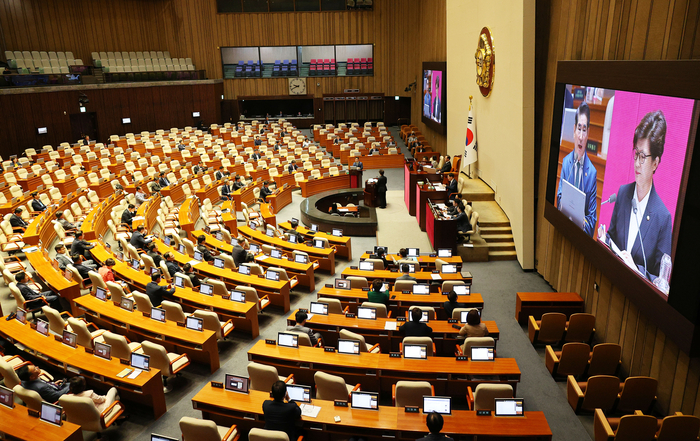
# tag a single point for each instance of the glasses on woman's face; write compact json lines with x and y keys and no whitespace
{"x":639,"y":156}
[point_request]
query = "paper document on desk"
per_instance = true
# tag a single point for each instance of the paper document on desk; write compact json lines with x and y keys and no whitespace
{"x":30,"y":249}
{"x":135,"y":218}
{"x":263,"y":257}
{"x":436,"y":277}
{"x":309,"y":316}
{"x":390,"y":326}
{"x":194,"y":262}
{"x":440,"y":187}
{"x":134,"y":374}
{"x":309,"y":410}
{"x":441,"y":206}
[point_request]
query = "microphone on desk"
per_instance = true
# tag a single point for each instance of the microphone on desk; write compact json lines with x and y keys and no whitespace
{"x":639,"y":233}
{"x":611,"y":199}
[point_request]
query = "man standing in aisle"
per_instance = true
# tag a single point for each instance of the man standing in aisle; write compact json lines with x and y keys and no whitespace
{"x":381,"y":190}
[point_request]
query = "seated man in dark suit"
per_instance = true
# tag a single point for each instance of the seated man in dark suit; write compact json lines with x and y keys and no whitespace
{"x":415,"y":328}
{"x":292,"y":167}
{"x":257,"y":141}
{"x":219,"y":173}
{"x":237,"y":183}
{"x":49,"y":391}
{"x":226,"y":190}
{"x":156,"y":292}
{"x":435,"y":422}
{"x":456,"y":202}
{"x":451,"y":185}
{"x":83,"y":247}
{"x":37,"y":205}
{"x":29,"y":294}
{"x":447,"y":167}
{"x":18,"y":224}
{"x":170,"y":263}
{"x":163,"y":181}
{"x":137,"y":238}
{"x":255,"y":156}
{"x":451,"y":304}
{"x":78,"y":260}
{"x":300,"y":326}
{"x":280,"y":415}
{"x":154,"y":254}
{"x":265,"y":191}
{"x":128,"y":215}
{"x":293,"y":231}
{"x":207,"y":254}
{"x":406,"y":270}
{"x":462,"y":220}
{"x":187,"y":270}
{"x":239,"y":254}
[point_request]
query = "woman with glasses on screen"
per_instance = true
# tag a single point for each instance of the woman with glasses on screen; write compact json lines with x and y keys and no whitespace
{"x":640,"y":226}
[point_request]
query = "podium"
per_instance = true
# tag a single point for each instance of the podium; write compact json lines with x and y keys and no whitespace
{"x":355,"y":177}
{"x":371,"y":194}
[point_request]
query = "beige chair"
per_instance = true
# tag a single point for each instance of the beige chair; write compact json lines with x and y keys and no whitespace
{"x":117,"y":292}
{"x":83,"y":412}
{"x":169,"y":363}
{"x":331,"y":387}
{"x":466,"y":347}
{"x":410,"y":393}
{"x":439,"y":263}
{"x":364,"y":346}
{"x":194,"y":429}
{"x":549,"y":330}
{"x":304,"y":339}
{"x":571,"y":360}
{"x":251,"y":295}
{"x":404,"y":285}
{"x":97,"y":281}
{"x":218,"y":286}
{"x":56,"y":322}
{"x":637,"y":427}
{"x":86,"y":338}
{"x":599,"y":392}
{"x":334,"y":305}
{"x":431,"y":311}
{"x":484,"y":395}
{"x":427,"y":341}
{"x":121,"y":346}
{"x":380,"y":307}
{"x":173,"y":311}
{"x":357,"y":282}
{"x":143,"y":302}
{"x":7,"y":371}
{"x":186,"y":281}
{"x":30,"y":398}
{"x":262,"y":377}
{"x":448,"y":285}
{"x":211,"y":321}
{"x":378,"y":263}
{"x":256,"y":434}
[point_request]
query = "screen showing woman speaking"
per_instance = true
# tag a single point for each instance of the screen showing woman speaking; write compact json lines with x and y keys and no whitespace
{"x":621,"y":160}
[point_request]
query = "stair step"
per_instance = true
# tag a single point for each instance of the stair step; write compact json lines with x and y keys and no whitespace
{"x":495,"y":230}
{"x":485,"y":224}
{"x":501,"y":246}
{"x":502,"y":255}
{"x":494,"y":238}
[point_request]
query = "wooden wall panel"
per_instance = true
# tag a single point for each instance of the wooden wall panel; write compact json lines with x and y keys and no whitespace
{"x":150,"y":108}
{"x":404,"y":33}
{"x":616,"y":30}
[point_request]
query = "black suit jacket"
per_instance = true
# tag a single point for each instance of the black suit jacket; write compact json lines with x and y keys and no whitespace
{"x":416,"y":329}
{"x":27,"y":292}
{"x":206,"y":254}
{"x":37,"y":205}
{"x":81,"y":247}
{"x":381,"y":184}
{"x":656,"y":230}
{"x":127,"y":216}
{"x":17,"y":221}
{"x":452,"y":188}
{"x":225,"y":191}
{"x":447,"y":167}
{"x":265,"y":192}
{"x":238,"y":254}
{"x":449,"y":307}
{"x":291,"y":168}
{"x":137,"y":240}
{"x":463,"y":222}
{"x":218,"y":175}
{"x":156,"y":292}
{"x":173,"y":268}
{"x":163,"y":182}
{"x":282,"y":416}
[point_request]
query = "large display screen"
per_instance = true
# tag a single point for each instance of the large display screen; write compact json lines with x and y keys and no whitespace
{"x":433,"y":96}
{"x":621,"y":160}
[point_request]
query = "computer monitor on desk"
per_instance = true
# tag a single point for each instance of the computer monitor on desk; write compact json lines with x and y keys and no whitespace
{"x":442,"y":405}
{"x":366,"y":266}
{"x":235,"y":383}
{"x":318,"y":308}
{"x":364,"y":400}
{"x":288,"y":340}
{"x":298,"y":392}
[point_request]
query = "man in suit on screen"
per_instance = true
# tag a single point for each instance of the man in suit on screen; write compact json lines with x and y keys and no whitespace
{"x":578,"y":169}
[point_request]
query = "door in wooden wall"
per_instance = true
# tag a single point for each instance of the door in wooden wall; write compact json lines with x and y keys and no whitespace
{"x":82,"y":124}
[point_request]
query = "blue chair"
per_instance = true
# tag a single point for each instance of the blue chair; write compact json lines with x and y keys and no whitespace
{"x":275,"y":70}
{"x":285,"y":70}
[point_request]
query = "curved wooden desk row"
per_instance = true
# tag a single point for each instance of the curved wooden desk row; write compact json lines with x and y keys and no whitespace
{"x":199,"y":346}
{"x":383,"y":160}
{"x":147,"y":388}
{"x":303,"y":271}
{"x":16,"y":423}
{"x":40,"y":230}
{"x":325,"y":256}
{"x":388,"y":422}
{"x":374,"y":331}
{"x":399,"y":302}
{"x":343,"y":244}
{"x":244,"y":315}
{"x":421,"y":276}
{"x":315,"y":186}
{"x":378,"y":372}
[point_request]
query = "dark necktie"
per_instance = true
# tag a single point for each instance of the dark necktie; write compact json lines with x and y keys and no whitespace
{"x":578,"y":175}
